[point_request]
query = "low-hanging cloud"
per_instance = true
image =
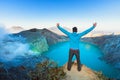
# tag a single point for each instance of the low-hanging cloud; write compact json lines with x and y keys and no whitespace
{"x":12,"y":46}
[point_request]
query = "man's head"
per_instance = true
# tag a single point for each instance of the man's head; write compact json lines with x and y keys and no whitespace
{"x":74,"y":29}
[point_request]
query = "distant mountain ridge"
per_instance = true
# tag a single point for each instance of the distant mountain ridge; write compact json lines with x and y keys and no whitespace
{"x":34,"y":33}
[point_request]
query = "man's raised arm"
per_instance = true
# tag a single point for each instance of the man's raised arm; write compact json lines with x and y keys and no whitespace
{"x":62,"y":29}
{"x":88,"y":30}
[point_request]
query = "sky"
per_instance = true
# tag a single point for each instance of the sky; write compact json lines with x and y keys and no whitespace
{"x":69,"y":13}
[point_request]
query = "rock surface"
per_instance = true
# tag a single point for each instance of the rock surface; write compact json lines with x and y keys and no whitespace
{"x":84,"y":74}
{"x":110,"y":46}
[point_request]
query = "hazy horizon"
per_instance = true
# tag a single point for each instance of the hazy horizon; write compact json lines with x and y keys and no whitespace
{"x":17,"y":29}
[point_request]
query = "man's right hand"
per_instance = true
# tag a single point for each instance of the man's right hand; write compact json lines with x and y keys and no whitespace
{"x":57,"y":24}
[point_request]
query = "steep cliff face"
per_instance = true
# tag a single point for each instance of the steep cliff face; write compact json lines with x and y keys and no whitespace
{"x":110,"y":46}
{"x":52,"y":37}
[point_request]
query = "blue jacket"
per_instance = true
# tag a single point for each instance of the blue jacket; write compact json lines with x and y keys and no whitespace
{"x":75,"y":37}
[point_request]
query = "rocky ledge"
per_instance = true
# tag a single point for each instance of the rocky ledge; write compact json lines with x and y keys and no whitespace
{"x":84,"y":74}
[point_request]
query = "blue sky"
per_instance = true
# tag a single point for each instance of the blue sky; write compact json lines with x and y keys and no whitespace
{"x":69,"y":13}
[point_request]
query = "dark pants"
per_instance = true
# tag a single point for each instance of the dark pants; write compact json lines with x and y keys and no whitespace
{"x":71,"y":54}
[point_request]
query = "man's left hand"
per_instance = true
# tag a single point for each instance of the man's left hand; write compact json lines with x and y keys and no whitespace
{"x":95,"y":24}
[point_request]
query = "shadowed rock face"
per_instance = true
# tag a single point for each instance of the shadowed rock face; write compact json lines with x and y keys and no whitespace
{"x":110,"y":46}
{"x":84,"y":74}
{"x":33,"y":30}
{"x":51,"y":37}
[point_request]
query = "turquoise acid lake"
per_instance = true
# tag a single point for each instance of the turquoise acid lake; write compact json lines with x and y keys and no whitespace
{"x":89,"y":56}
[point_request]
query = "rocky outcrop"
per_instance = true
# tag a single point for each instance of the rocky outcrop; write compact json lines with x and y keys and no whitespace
{"x":110,"y":46}
{"x":52,"y":37}
{"x":84,"y":74}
